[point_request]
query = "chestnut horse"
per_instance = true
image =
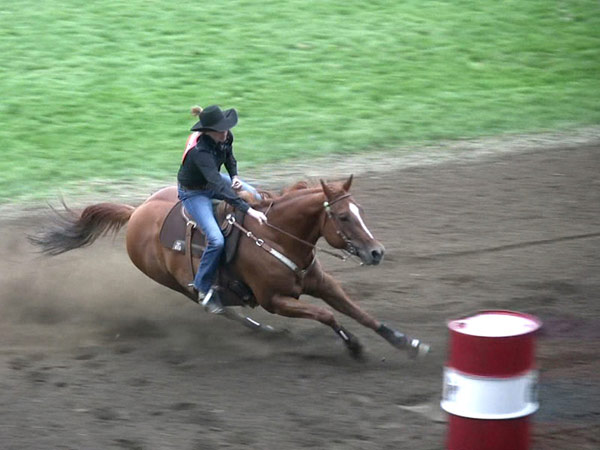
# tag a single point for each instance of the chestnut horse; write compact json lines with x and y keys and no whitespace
{"x":296,"y":220}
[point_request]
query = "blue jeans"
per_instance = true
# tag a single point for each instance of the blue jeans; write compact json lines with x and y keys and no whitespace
{"x":199,"y":204}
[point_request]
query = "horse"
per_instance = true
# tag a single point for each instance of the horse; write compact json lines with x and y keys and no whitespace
{"x":297,"y":219}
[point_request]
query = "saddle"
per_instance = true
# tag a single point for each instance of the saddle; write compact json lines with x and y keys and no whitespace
{"x":180,"y":234}
{"x":174,"y":230}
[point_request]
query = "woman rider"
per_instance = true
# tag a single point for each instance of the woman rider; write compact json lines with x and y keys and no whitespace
{"x":199,"y":181}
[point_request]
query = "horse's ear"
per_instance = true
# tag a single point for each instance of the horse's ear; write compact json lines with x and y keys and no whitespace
{"x":326,"y":190}
{"x":348,"y":183}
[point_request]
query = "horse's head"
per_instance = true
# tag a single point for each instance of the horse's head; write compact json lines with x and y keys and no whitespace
{"x":345,"y":227}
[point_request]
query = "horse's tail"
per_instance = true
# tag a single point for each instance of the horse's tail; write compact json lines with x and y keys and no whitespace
{"x":71,"y":230}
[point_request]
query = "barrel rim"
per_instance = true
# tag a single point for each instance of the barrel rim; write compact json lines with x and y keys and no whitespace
{"x":453,"y":324}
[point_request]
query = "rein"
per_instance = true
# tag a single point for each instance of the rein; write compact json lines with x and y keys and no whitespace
{"x":284,"y":259}
{"x":281,"y":257}
{"x":327,"y":206}
{"x":308,"y":244}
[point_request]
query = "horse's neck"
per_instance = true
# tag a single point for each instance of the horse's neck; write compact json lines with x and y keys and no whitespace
{"x":301,"y":215}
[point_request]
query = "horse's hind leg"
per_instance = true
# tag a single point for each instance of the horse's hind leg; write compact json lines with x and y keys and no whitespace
{"x":292,"y":307}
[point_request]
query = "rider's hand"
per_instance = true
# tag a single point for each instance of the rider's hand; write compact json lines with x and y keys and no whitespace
{"x":257,"y":215}
{"x":236,"y":183}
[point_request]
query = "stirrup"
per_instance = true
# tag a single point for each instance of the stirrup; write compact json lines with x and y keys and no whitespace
{"x":211,"y":302}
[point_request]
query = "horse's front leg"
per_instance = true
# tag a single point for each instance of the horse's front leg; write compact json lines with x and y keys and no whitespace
{"x":321,"y":284}
{"x":292,"y":307}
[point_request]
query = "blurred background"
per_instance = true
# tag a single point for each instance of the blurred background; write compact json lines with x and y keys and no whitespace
{"x":97,"y":94}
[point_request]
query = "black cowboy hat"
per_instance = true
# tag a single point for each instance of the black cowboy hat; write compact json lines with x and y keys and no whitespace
{"x":212,"y":118}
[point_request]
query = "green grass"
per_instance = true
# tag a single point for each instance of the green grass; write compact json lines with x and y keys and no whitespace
{"x":102,"y":90}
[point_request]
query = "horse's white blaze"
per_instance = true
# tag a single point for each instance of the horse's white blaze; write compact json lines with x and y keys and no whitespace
{"x":354,"y":210}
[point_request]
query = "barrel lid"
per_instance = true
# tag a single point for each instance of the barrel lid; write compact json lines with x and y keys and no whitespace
{"x":497,"y":323}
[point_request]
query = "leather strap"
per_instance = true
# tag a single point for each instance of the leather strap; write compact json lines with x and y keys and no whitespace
{"x":262,"y":244}
{"x":189,"y":231}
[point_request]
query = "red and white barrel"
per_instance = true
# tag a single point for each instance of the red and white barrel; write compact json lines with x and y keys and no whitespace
{"x":490,"y":381}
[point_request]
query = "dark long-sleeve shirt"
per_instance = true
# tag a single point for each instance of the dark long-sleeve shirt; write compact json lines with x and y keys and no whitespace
{"x":200,"y":169}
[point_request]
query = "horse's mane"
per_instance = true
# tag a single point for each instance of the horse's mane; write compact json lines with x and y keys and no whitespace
{"x":295,"y":190}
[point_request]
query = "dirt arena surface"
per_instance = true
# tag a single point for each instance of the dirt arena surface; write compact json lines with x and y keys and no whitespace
{"x":96,"y":356}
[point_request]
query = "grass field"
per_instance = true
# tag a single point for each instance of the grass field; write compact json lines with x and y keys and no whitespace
{"x":101,"y":90}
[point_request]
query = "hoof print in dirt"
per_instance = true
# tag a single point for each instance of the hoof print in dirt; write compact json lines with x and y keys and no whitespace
{"x":19,"y":363}
{"x":129,"y":444}
{"x":86,"y":353}
{"x":106,"y":413}
{"x":38,"y":377}
{"x":183,"y":406}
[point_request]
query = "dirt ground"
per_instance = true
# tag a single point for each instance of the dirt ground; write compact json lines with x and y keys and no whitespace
{"x":96,"y":356}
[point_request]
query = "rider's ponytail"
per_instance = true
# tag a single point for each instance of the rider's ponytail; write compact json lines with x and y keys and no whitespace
{"x":196,"y":110}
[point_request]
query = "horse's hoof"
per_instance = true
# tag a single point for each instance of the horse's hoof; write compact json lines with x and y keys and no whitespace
{"x":418,"y":349}
{"x":356,"y":349}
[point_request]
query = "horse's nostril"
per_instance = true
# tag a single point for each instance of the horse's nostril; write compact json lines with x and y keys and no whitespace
{"x":376,"y":255}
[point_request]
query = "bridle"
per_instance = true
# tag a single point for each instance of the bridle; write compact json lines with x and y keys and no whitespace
{"x":350,"y":248}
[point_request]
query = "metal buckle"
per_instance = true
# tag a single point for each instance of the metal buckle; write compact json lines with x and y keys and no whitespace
{"x":230,"y":219}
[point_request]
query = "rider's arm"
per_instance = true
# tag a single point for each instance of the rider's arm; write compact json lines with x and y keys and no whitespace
{"x":230,"y":161}
{"x":222,"y":190}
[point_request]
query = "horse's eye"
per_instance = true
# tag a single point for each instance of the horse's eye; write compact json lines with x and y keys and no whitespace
{"x":344,"y":217}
